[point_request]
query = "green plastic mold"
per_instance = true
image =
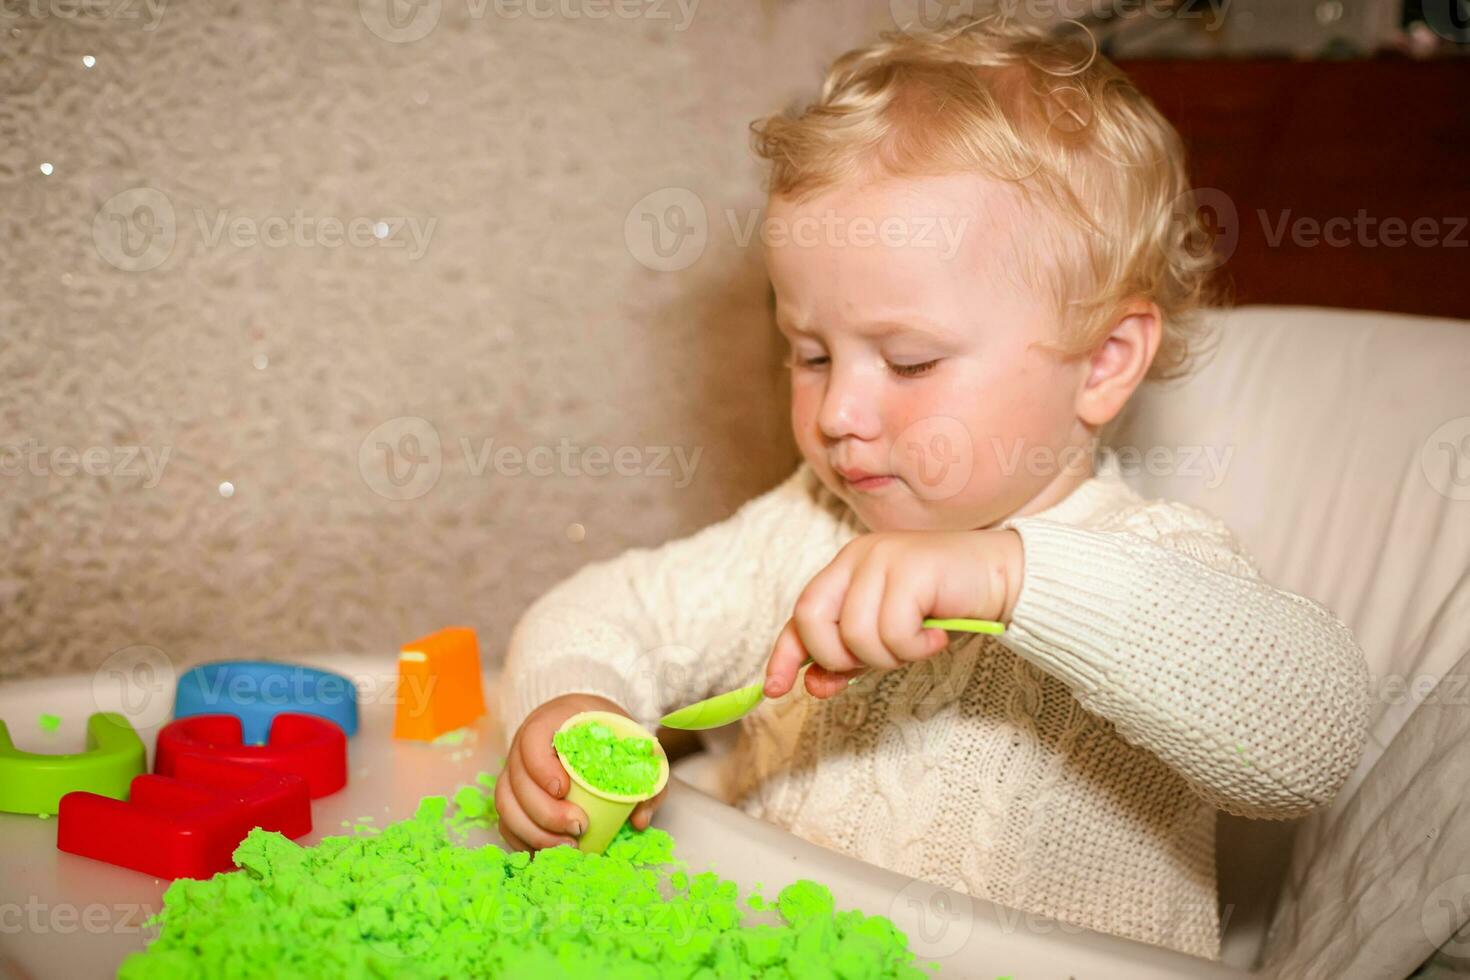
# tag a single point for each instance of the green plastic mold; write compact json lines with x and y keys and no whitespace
{"x":35,"y":782}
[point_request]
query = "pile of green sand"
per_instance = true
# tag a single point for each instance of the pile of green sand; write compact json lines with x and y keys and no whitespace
{"x":626,"y":766}
{"x":409,"y":901}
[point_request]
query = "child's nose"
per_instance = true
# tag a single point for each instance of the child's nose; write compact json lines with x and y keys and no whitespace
{"x":849,"y":408}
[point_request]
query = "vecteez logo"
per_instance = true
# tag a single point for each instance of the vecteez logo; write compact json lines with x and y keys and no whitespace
{"x":667,"y":230}
{"x":401,"y":21}
{"x":401,"y":459}
{"x":135,"y":230}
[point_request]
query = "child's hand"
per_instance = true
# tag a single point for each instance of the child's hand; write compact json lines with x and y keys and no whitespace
{"x":866,"y":609}
{"x":530,"y":789}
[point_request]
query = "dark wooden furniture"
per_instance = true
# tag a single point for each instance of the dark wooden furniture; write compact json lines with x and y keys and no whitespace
{"x":1372,"y":146}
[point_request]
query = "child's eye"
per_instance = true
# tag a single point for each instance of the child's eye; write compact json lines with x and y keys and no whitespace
{"x":912,"y":370}
{"x":805,"y":362}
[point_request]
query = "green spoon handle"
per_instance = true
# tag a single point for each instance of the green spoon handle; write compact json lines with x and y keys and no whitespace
{"x":722,"y":709}
{"x":968,"y":625}
{"x":955,"y":625}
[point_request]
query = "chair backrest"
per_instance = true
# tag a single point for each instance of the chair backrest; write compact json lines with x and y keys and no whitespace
{"x":1336,"y":444}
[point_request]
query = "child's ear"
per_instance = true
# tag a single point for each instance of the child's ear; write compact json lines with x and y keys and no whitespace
{"x":1120,"y":362}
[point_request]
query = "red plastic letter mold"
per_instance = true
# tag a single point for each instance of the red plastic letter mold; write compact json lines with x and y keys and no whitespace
{"x":184,"y":827}
{"x":304,"y":745}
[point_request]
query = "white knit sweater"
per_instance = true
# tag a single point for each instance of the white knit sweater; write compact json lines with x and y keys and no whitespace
{"x":1070,"y":768}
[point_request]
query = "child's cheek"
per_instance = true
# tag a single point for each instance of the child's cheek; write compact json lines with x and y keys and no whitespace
{"x":1029,"y":422}
{"x":985,"y":422}
{"x":937,"y":435}
{"x":806,"y":403}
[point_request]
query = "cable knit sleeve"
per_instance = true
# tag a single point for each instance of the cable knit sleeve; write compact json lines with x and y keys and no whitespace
{"x":1258,"y":697}
{"x":656,"y":628}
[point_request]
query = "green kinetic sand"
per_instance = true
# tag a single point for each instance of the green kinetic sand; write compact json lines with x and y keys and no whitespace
{"x":410,"y":902}
{"x":625,"y":766}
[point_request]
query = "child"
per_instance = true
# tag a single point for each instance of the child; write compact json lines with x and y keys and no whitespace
{"x":947,"y":404}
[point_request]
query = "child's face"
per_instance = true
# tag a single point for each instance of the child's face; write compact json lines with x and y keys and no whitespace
{"x":912,"y":356}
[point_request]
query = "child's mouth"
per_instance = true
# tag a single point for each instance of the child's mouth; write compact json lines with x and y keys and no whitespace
{"x":865,"y":482}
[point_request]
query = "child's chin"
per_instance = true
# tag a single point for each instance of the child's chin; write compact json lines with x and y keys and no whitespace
{"x":892,"y":513}
{"x":904,"y":512}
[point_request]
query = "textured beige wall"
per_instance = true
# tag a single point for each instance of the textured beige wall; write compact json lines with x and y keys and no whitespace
{"x":172,"y":287}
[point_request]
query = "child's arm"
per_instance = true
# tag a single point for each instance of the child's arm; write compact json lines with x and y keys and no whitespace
{"x":656,"y":628}
{"x":1258,"y":697}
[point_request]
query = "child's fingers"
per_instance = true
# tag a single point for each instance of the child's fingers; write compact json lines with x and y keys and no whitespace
{"x":511,"y":840}
{"x":538,"y":756}
{"x":643,"y":812}
{"x":509,"y":817}
{"x":857,"y":622}
{"x":898,"y":617}
{"x":549,"y":813}
{"x":819,"y":631}
{"x":824,"y":683}
{"x":502,"y":807}
{"x":513,"y":818}
{"x":817,"y":614}
{"x":786,"y":659}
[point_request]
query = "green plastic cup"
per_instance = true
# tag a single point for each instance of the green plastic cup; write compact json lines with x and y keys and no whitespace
{"x":607,"y":812}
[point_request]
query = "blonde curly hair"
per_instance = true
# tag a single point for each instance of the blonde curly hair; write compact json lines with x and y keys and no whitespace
{"x":1047,"y":113}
